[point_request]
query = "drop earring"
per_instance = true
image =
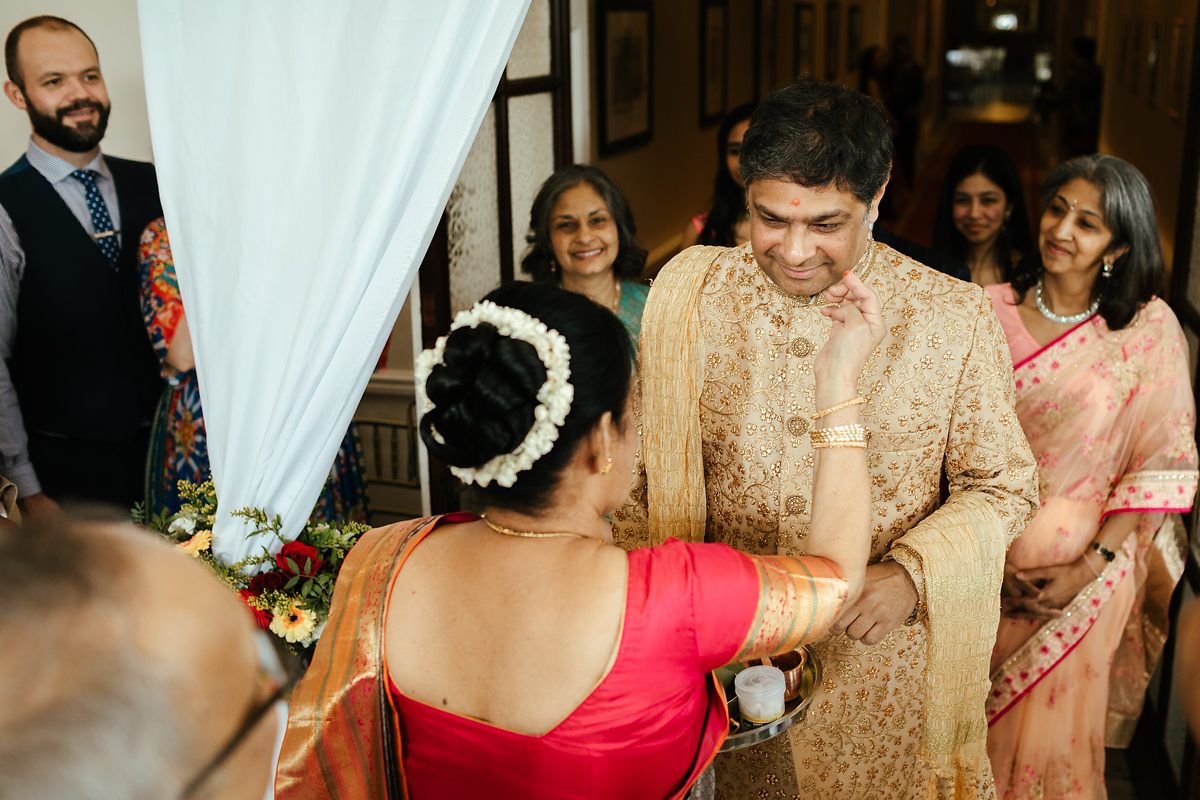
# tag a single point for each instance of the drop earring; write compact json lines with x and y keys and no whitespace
{"x":1107,"y":269}
{"x":607,"y":468}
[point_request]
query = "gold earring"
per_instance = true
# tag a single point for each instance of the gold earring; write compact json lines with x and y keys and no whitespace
{"x":607,"y":468}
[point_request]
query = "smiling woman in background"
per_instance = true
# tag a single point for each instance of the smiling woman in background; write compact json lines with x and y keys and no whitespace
{"x":981,"y":216}
{"x":581,"y":233}
{"x":1103,"y":396}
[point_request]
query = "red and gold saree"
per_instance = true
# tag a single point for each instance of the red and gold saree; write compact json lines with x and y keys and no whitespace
{"x":648,"y":729}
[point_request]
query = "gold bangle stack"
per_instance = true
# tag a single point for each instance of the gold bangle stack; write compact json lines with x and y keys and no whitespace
{"x":853,"y":401}
{"x":839,"y":436}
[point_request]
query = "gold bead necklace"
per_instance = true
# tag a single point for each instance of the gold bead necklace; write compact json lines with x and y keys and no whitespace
{"x":531,"y":534}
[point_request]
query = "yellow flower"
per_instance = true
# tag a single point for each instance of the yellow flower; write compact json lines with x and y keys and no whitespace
{"x":295,"y":624}
{"x":200,"y":542}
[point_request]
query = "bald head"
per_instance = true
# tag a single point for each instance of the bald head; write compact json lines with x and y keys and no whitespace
{"x":127,"y":667}
{"x":45,"y":22}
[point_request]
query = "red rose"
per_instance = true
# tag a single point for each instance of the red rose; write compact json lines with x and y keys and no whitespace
{"x":304,"y":556}
{"x":261,"y":618}
{"x":267,"y":582}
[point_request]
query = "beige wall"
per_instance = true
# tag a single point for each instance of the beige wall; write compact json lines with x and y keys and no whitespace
{"x":1136,"y":126}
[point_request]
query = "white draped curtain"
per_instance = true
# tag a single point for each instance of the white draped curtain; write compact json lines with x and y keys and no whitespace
{"x":305,"y":150}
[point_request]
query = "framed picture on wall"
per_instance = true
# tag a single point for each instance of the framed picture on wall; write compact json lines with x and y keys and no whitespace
{"x":1177,"y":69}
{"x":804,"y":48}
{"x":625,"y":66}
{"x":1154,"y":53}
{"x":1123,"y":56}
{"x":933,"y":54}
{"x":854,"y":22}
{"x":766,"y":48}
{"x":832,"y":31}
{"x":714,"y":59}
{"x":1135,"y":55}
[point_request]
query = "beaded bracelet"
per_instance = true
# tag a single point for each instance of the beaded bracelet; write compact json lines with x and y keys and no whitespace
{"x":1105,"y":553}
{"x":853,"y":401}
{"x":839,"y":436}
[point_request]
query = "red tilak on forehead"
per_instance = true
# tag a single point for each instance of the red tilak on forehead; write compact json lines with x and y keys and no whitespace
{"x":795,"y":201}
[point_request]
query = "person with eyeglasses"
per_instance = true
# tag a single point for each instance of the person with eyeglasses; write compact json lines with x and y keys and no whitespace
{"x":128,"y":671}
{"x":520,"y":653}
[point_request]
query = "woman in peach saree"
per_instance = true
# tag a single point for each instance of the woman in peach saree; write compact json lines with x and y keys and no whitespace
{"x":1104,"y":398}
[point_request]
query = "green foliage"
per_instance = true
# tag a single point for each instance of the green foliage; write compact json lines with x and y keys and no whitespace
{"x":196,"y":517}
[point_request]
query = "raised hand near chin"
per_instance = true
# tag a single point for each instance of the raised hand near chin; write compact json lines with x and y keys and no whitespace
{"x":858,"y":328}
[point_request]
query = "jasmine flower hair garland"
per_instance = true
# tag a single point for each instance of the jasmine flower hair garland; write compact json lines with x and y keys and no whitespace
{"x":554,"y":396}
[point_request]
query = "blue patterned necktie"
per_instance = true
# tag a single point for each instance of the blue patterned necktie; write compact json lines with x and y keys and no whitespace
{"x":106,"y":235}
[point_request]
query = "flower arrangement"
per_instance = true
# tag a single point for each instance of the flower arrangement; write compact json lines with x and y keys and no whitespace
{"x":289,"y":592}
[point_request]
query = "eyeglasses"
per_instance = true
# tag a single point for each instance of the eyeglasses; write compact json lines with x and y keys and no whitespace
{"x":277,"y":666}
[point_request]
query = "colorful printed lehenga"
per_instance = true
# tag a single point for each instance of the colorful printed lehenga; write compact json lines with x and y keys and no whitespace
{"x":1111,"y":419}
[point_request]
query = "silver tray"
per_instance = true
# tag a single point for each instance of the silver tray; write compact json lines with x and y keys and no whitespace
{"x":794,"y":710}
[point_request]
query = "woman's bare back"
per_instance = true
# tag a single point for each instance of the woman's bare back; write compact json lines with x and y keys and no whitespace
{"x":515,"y":632}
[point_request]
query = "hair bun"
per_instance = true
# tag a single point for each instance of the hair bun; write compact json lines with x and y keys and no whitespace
{"x":483,"y":393}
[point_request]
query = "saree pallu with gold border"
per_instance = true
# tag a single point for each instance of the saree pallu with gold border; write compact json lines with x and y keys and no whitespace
{"x":690,"y":608}
{"x":1111,"y":420}
{"x":343,"y":733}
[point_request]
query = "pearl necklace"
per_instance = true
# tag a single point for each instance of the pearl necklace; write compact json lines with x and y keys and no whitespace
{"x":1059,"y":318}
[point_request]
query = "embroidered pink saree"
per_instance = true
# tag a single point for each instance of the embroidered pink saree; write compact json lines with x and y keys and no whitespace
{"x":1111,"y":420}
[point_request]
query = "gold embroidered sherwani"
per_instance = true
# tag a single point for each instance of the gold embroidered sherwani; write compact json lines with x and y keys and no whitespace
{"x":941,"y":403}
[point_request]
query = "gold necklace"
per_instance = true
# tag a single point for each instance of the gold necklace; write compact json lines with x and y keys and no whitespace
{"x":616,"y":302}
{"x":530,"y":534}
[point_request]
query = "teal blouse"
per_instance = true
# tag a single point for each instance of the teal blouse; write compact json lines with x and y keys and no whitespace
{"x":629,"y":310}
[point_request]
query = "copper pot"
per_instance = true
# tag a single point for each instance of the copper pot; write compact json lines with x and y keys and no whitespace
{"x":791,"y":664}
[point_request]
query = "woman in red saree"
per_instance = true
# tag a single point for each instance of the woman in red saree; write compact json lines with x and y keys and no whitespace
{"x":1103,"y":394}
{"x":522,"y":654}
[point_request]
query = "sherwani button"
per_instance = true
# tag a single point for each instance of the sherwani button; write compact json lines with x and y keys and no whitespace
{"x":797,"y":426}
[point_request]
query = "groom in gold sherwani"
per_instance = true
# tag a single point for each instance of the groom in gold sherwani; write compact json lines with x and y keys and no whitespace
{"x":727,"y":403}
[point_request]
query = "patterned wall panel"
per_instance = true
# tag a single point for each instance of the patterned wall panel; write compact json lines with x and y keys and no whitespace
{"x":530,"y":55}
{"x":531,"y":160}
{"x":473,"y":230}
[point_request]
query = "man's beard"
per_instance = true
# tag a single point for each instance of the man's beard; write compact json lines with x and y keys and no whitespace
{"x":78,"y":139}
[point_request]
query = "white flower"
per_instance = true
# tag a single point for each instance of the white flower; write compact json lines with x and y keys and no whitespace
{"x":316,"y":634}
{"x":182,"y":525}
{"x":554,"y":397}
{"x":296,"y":624}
